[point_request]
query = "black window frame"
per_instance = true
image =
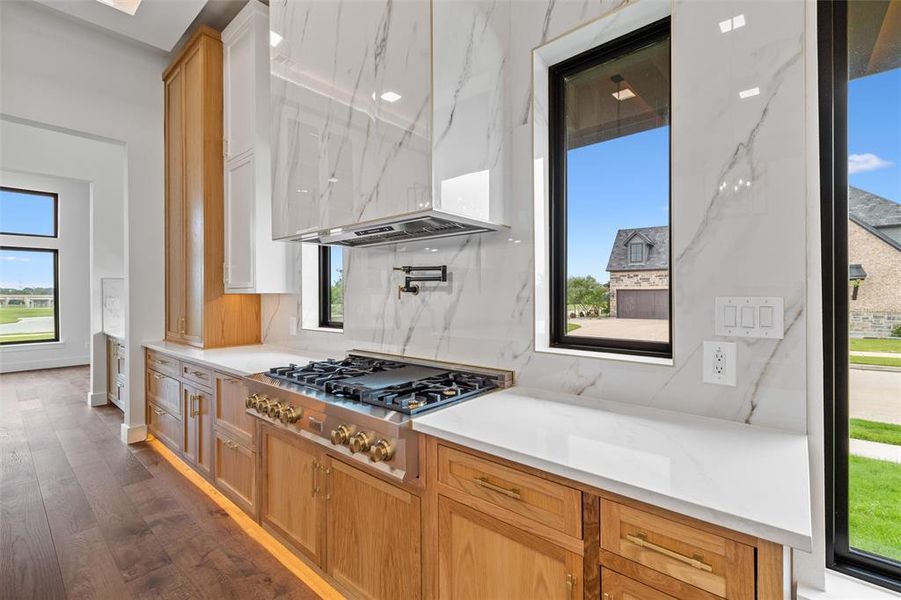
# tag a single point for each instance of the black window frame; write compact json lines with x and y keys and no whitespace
{"x":54,"y":195}
{"x":55,"y":253}
{"x":325,"y":290}
{"x":640,"y":38}
{"x":832,"y":26}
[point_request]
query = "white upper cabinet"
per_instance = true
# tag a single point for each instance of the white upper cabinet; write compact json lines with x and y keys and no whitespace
{"x":254,"y":263}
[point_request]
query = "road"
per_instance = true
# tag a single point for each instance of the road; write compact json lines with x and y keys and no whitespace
{"x":876,"y":395}
{"x":29,"y":325}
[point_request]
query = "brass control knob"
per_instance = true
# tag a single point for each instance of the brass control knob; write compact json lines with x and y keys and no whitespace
{"x":289,"y":414}
{"x":262,"y":405}
{"x":360,"y":442}
{"x":251,"y":401}
{"x":381,"y":451}
{"x":275,"y":408}
{"x":342,"y":434}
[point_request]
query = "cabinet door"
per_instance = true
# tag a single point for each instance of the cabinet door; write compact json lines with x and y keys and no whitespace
{"x":228,"y":412}
{"x":293,"y":491}
{"x":235,"y":472}
{"x":240,"y":200}
{"x":238,"y":92}
{"x":166,"y":427}
{"x":175,"y":205}
{"x":373,"y":535}
{"x":198,"y":427}
{"x":480,"y":557}
{"x":617,"y":587}
{"x":194,"y":163}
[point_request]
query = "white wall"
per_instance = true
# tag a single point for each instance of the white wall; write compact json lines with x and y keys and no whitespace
{"x":63,"y":74}
{"x":73,"y":246}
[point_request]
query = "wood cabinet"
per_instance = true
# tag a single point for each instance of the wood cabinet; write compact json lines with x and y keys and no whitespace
{"x":617,"y":587}
{"x":235,"y":472}
{"x":229,"y":413}
{"x":482,"y":557}
{"x":197,"y":310}
{"x":196,"y":408}
{"x":373,"y":535}
{"x":115,"y":370}
{"x":164,"y":391}
{"x":166,"y":427}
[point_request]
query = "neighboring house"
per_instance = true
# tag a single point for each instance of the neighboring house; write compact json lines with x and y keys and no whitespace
{"x":639,"y":273}
{"x":874,"y":254}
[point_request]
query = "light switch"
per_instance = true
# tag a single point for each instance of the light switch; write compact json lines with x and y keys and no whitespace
{"x":729,"y":316}
{"x":766,"y":316}
{"x":747,"y":316}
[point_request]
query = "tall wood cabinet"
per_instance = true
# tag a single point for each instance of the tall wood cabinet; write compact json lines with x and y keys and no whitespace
{"x":198,"y":312}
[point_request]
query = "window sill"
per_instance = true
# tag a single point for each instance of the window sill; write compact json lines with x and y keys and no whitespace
{"x":33,"y":346}
{"x":323,"y":329}
{"x":843,"y":587}
{"x":632,"y":358}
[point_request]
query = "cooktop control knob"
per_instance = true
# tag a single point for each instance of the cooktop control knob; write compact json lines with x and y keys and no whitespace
{"x":262,"y":404}
{"x":251,"y":401}
{"x":274,"y":409}
{"x":381,"y":451}
{"x":289,"y":414}
{"x":342,"y":434}
{"x":360,"y":442}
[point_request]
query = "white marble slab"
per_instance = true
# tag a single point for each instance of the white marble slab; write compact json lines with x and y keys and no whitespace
{"x":749,"y":479}
{"x":236,"y":360}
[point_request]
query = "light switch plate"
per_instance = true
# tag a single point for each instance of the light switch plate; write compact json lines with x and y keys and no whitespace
{"x":292,"y":325}
{"x":720,"y":363}
{"x":755,"y":317}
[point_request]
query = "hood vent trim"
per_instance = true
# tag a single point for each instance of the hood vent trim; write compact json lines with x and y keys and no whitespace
{"x":371,"y":234}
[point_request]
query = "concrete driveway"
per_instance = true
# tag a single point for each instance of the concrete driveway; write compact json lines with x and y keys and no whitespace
{"x":876,"y":395}
{"x":28,"y":325}
{"x":655,"y":330}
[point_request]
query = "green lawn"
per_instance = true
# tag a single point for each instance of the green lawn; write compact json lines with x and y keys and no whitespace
{"x":873,"y":431}
{"x":571,"y":327}
{"x":11,"y":314}
{"x":26,"y":337}
{"x":874,"y":345}
{"x":881,"y":361}
{"x":875,"y":506}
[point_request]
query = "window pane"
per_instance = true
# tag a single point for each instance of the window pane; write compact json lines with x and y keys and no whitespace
{"x":27,"y":296}
{"x":617,"y":196}
{"x":27,"y":213}
{"x":336,"y":285}
{"x":874,"y":276}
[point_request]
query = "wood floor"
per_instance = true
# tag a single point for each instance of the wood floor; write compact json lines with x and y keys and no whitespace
{"x":84,"y":516}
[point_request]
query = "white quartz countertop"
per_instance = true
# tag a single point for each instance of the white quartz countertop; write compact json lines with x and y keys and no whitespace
{"x":748,"y":479}
{"x":235,"y":360}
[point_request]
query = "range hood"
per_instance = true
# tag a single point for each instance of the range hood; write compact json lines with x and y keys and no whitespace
{"x":403,"y":228}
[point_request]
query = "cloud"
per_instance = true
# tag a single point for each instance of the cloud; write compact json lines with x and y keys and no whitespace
{"x":861,"y":163}
{"x":15,"y":258}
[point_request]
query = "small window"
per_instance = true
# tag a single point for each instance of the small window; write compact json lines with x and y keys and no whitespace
{"x":331,"y":287}
{"x":29,"y":295}
{"x":26,"y":212}
{"x":609,"y":132}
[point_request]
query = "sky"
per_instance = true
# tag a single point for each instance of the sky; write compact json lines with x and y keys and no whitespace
{"x":874,"y":134}
{"x":26,"y":213}
{"x":23,"y":268}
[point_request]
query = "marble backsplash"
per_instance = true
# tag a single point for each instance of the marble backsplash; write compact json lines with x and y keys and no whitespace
{"x":726,"y":242}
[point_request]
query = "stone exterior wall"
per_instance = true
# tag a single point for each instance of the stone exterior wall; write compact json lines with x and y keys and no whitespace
{"x":878,"y":305}
{"x":636,"y":280}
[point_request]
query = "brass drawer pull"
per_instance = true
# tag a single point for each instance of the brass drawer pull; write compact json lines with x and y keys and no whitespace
{"x":200,"y":374}
{"x":695,"y":561}
{"x":160,"y":361}
{"x":571,"y":585}
{"x":195,"y":409}
{"x":159,"y":412}
{"x":514,"y":493}
{"x":230,"y":444}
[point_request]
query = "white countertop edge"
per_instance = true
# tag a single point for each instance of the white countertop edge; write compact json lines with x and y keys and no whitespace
{"x":195,"y":355}
{"x":737,"y":523}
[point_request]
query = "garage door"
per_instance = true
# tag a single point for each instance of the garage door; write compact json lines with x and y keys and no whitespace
{"x":642,"y":304}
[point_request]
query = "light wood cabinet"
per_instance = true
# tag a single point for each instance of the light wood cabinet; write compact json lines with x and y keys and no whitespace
{"x":235,"y":471}
{"x":482,"y":557}
{"x":293,"y":491}
{"x":115,"y":370}
{"x":197,"y":404}
{"x":617,"y":587}
{"x":197,"y":310}
{"x":229,"y":412}
{"x":164,"y":391}
{"x":373,"y":535}
{"x":166,"y":427}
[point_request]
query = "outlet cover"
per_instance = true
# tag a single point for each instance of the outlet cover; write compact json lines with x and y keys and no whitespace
{"x":720,"y":363}
{"x":292,"y":325}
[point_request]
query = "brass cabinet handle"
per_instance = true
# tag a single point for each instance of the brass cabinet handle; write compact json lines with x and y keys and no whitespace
{"x":230,"y":444}
{"x":230,"y":380}
{"x":159,"y":412}
{"x":641,"y":541}
{"x":315,"y":479}
{"x":200,"y":374}
{"x":160,"y":361}
{"x":195,"y":398}
{"x":157,"y":376}
{"x":571,"y":585}
{"x":512,"y":493}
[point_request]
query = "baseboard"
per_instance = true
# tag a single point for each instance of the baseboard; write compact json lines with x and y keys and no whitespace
{"x":97,"y":398}
{"x":133,"y":434}
{"x":9,"y":366}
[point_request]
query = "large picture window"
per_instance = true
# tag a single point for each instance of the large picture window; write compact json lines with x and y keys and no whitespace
{"x":609,"y":112}
{"x":331,"y":287}
{"x":29,"y":295}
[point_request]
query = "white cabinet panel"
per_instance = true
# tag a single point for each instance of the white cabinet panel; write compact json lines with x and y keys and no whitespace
{"x":239,"y":224}
{"x":239,"y":91}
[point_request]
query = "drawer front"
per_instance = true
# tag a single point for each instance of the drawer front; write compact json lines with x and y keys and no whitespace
{"x":713,"y":563}
{"x":197,"y":374}
{"x":166,"y":427}
{"x":163,"y":364}
{"x":517,"y":494}
{"x":229,"y":410}
{"x":618,"y":587}
{"x":234,"y":470}
{"x":164,"y":392}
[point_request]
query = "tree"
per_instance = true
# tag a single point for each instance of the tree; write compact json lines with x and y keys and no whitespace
{"x":586,"y":295}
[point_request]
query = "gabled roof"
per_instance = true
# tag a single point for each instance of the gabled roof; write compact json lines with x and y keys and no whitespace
{"x":657,"y":239}
{"x":855,"y":271}
{"x":873,"y":212}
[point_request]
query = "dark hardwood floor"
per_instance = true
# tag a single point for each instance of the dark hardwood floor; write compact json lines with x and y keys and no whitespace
{"x":84,"y":516}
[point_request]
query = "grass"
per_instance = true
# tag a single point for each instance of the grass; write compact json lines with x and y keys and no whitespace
{"x":11,"y":314}
{"x":12,"y":338}
{"x":873,"y":431}
{"x":880,"y":361}
{"x":874,"y":508}
{"x":571,"y":327}
{"x":876,"y":345}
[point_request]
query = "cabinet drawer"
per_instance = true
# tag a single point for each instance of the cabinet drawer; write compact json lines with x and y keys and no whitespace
{"x":517,"y":494}
{"x":618,"y":587}
{"x":234,"y":471}
{"x":713,"y":563}
{"x":165,"y":426}
{"x":229,"y":409}
{"x":163,"y":364}
{"x":197,"y":374}
{"x":164,"y":392}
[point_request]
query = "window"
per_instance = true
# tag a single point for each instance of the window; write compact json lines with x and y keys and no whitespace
{"x":609,"y":130}
{"x":24,"y":212}
{"x":331,"y":287}
{"x":860,"y":180}
{"x":28,"y":295}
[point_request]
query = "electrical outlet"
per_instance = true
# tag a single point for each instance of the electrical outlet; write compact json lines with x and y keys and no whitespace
{"x":292,"y":325}
{"x":720,"y":363}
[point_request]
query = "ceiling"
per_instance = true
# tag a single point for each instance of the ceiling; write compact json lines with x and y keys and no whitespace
{"x":158,"y":23}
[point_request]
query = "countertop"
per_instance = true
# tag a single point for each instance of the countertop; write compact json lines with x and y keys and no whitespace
{"x":235,"y":360}
{"x":749,"y":479}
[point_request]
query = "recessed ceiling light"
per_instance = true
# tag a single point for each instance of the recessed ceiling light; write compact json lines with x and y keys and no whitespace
{"x":390,"y":96}
{"x":623,"y":94}
{"x":274,"y":39}
{"x":129,"y":7}
{"x":754,"y":91}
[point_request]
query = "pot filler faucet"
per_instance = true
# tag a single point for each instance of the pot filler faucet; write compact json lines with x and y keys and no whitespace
{"x":410,"y":286}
